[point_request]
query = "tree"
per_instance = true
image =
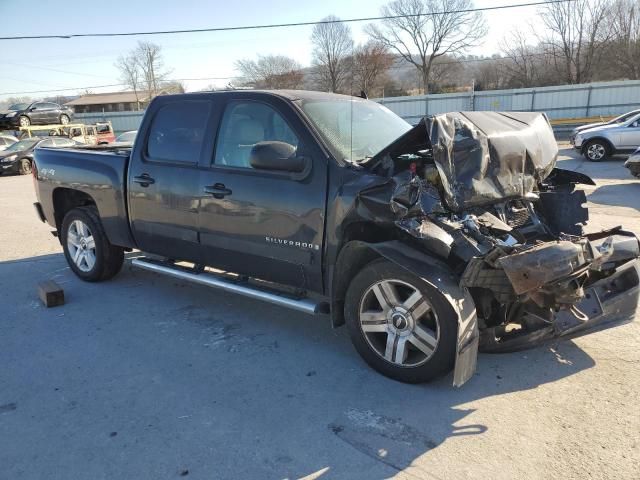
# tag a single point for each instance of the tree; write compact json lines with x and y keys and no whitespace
{"x":624,"y":51}
{"x":130,"y":74}
{"x":271,"y":71}
{"x":149,"y":58}
{"x":370,"y":64}
{"x":332,"y":53}
{"x":421,"y":31}
{"x":521,"y":64}
{"x":577,"y":36}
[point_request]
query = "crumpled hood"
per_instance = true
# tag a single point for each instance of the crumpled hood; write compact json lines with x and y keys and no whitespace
{"x":482,"y":157}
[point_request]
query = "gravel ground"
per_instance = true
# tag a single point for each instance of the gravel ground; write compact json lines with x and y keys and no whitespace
{"x":149,"y":378}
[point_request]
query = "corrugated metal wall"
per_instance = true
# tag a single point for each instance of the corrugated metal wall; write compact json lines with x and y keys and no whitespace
{"x":121,"y":121}
{"x":566,"y":101}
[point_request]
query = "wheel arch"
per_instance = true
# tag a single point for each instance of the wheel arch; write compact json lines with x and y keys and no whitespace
{"x":66,"y":199}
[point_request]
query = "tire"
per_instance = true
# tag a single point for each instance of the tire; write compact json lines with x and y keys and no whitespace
{"x":24,"y":121}
{"x":413,"y":340}
{"x":25,"y":166}
{"x":64,"y":119}
{"x":596,"y":151}
{"x":95,"y":258}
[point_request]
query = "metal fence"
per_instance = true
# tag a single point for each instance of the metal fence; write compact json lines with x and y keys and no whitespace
{"x":558,"y":102}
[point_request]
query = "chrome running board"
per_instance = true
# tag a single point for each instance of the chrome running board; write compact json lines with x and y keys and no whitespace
{"x":208,"y":279}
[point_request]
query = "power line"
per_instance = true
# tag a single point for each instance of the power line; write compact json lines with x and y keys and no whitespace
{"x":281,"y":25}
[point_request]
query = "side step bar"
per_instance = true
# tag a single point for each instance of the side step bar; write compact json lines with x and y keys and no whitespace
{"x":305,"y":305}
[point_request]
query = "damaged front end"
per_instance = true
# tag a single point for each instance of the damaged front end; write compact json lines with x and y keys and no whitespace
{"x":481,"y":192}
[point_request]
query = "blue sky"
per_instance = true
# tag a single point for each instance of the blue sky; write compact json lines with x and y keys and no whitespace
{"x":63,"y":63}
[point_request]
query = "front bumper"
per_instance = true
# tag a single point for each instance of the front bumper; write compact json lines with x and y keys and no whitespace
{"x":10,"y":123}
{"x":633,"y":164}
{"x":11,"y":167}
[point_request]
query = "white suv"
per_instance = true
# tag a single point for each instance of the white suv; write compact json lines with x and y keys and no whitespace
{"x":599,"y":142}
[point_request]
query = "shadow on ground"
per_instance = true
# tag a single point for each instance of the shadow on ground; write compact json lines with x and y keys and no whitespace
{"x":162,"y":377}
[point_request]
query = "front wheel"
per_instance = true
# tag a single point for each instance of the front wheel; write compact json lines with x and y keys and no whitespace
{"x":24,"y":121}
{"x":64,"y":119}
{"x":596,"y":151}
{"x":401,"y":326}
{"x":25,"y":166}
{"x":86,"y":247}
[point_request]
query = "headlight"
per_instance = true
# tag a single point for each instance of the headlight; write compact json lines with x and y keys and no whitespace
{"x":9,"y":159}
{"x":578,"y":137}
{"x":11,"y":114}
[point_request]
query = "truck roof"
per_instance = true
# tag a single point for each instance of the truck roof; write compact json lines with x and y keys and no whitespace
{"x":288,"y":94}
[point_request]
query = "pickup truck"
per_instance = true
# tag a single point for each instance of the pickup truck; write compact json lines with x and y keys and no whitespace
{"x":429,"y":242}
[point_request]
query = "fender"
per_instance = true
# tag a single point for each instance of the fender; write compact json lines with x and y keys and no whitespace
{"x":439,"y":276}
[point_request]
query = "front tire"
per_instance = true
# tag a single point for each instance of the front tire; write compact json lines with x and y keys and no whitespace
{"x":596,"y":151}
{"x":24,"y":121}
{"x":64,"y":119}
{"x":401,"y":326}
{"x":86,"y":247}
{"x":25,"y":166}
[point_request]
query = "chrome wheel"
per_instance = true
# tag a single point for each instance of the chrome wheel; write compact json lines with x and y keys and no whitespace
{"x":64,"y":120}
{"x":25,"y":122}
{"x":398,"y":323}
{"x":596,"y":151}
{"x":81,"y":245}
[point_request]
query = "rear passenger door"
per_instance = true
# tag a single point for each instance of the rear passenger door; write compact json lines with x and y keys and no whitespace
{"x":266,"y":224}
{"x":164,"y":182}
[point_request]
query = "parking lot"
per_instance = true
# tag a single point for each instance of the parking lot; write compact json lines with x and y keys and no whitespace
{"x":147,"y":377}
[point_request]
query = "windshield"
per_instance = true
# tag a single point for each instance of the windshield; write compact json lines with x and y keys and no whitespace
{"x":22,"y":145}
{"x":624,"y":117}
{"x":18,"y":106}
{"x":127,"y":137}
{"x":355,"y":129}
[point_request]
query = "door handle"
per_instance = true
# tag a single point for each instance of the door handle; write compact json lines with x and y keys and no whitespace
{"x":218,"y":190}
{"x":144,"y":180}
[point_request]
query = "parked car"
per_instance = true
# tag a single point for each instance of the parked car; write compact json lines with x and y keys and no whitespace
{"x":6,"y":141}
{"x":633,"y":163}
{"x":37,"y":113}
{"x":18,"y":158}
{"x":614,"y":121}
{"x":429,"y":242}
{"x":599,"y":143}
{"x":126,"y":138}
{"x":104,"y":133}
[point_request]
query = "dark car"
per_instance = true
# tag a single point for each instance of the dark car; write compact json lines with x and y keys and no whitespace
{"x":429,"y":242}
{"x":37,"y":113}
{"x":18,"y":158}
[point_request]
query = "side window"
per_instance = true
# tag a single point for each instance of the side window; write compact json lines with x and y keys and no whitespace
{"x":177,"y":132}
{"x":243,"y":125}
{"x":39,"y":106}
{"x":51,"y":106}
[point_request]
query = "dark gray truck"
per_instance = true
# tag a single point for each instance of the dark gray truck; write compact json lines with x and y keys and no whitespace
{"x":430,"y":242}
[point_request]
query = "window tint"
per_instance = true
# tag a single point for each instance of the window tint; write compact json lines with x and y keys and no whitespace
{"x":177,"y":132}
{"x":243,"y":125}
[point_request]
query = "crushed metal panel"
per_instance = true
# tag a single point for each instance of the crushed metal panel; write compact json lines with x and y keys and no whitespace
{"x":484,"y":157}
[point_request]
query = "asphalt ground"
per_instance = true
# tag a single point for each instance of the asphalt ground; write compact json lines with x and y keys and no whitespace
{"x":146,"y":377}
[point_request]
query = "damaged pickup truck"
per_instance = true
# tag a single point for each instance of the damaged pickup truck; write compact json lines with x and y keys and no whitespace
{"x":430,"y":242}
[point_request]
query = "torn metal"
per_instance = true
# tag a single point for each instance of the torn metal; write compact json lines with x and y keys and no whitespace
{"x":480,"y":192}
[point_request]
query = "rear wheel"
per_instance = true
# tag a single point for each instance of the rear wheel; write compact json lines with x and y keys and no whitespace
{"x":400,"y":325}
{"x":596,"y":151}
{"x":86,"y":247}
{"x":25,"y":166}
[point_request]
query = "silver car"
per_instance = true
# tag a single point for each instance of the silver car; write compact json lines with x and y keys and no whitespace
{"x":599,"y":142}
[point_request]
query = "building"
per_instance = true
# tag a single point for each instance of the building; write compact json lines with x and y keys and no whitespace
{"x":110,"y":102}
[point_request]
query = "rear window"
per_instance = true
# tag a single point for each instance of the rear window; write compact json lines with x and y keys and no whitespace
{"x":103,"y":128}
{"x":177,"y":132}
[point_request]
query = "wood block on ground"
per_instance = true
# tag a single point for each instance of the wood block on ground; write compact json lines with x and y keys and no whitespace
{"x":51,"y":293}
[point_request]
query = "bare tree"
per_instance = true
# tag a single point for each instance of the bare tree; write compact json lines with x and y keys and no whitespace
{"x":577,"y":36}
{"x":521,"y":64}
{"x":420,"y":31}
{"x":271,"y":71}
{"x":130,"y":74}
{"x":624,"y":51}
{"x":149,"y":59}
{"x":370,"y":64}
{"x":332,"y":53}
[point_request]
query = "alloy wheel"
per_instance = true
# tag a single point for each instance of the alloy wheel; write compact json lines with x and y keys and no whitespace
{"x":596,"y":151}
{"x":399,"y":323}
{"x":81,"y":245}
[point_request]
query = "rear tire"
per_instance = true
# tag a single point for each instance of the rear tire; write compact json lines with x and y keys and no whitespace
{"x":597,"y":151}
{"x":25,"y":166}
{"x":86,"y":247}
{"x":410,"y":335}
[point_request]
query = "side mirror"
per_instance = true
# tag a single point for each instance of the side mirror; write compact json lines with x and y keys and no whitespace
{"x":32,"y":109}
{"x":276,"y":156}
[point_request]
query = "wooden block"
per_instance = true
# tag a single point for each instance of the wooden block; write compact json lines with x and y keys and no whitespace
{"x":51,"y":293}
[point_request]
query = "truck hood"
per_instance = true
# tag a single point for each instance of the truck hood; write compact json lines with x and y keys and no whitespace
{"x":482,"y":157}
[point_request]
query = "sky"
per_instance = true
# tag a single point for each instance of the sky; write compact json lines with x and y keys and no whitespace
{"x":51,"y":64}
